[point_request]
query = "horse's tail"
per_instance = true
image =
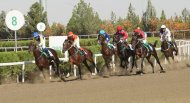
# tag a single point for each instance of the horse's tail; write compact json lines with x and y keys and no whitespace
{"x":155,"y":43}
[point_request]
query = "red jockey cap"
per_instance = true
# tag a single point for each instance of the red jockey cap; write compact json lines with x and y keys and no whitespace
{"x":70,"y":33}
{"x":119,"y":28}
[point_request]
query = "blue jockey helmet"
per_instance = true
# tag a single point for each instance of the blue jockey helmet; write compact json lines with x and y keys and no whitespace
{"x":102,"y":32}
{"x":35,"y":34}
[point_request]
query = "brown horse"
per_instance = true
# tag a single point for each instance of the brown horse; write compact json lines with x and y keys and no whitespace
{"x":123,"y":51}
{"x":76,"y":58}
{"x":168,"y":50}
{"x":142,"y":52}
{"x":106,"y":51}
{"x":42,"y":61}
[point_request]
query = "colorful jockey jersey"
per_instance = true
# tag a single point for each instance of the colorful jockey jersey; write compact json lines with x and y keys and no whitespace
{"x":165,"y":34}
{"x":142,"y":37}
{"x":41,"y":45}
{"x":40,"y":39}
{"x":102,"y":32}
{"x":73,"y":37}
{"x":122,"y":32}
{"x":141,"y":33}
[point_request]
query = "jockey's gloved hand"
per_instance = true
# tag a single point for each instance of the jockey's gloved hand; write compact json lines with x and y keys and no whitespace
{"x":120,"y":40}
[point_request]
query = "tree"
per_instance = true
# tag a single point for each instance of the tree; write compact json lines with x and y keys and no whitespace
{"x":84,"y":20}
{"x":34,"y":16}
{"x":113,"y":18}
{"x":4,"y":31}
{"x":150,"y":13}
{"x":163,"y":16}
{"x":132,"y":18}
{"x":185,"y":15}
{"x":57,"y":29}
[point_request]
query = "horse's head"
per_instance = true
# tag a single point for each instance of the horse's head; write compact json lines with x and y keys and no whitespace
{"x":101,"y":39}
{"x":134,"y":40}
{"x":32,"y":46}
{"x":67,"y":44}
{"x":116,"y":38}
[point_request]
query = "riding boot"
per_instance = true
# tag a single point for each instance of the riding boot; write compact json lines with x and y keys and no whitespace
{"x":50,"y":55}
{"x":130,"y":46}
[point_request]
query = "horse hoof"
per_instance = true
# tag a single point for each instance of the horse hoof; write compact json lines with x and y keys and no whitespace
{"x":93,"y":74}
{"x":68,"y":75}
{"x":105,"y":76}
{"x":162,"y":71}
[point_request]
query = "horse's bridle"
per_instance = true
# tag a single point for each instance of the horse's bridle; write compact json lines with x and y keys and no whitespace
{"x":167,"y":48}
{"x":70,"y":48}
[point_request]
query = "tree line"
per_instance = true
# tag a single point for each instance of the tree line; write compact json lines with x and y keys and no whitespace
{"x":85,"y":21}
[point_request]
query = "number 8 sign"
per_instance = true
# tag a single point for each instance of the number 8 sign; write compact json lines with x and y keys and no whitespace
{"x":14,"y":20}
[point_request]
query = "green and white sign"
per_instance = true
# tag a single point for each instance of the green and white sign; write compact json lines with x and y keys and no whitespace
{"x":14,"y":20}
{"x":41,"y":26}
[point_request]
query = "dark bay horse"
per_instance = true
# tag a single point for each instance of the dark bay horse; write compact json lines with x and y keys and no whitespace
{"x":76,"y":58}
{"x":142,"y":52}
{"x":106,"y":51}
{"x":168,"y":50}
{"x":42,"y":61}
{"x":123,"y":51}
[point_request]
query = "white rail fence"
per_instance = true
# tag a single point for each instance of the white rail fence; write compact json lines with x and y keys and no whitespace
{"x":183,"y":45}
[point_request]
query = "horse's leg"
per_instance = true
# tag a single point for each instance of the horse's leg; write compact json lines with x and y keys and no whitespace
{"x":176,"y":49}
{"x":42,"y":72}
{"x":121,"y":62}
{"x":92,"y":61}
{"x":80,"y":73}
{"x":167,"y":58}
{"x":148,"y":59}
{"x":133,"y":63}
{"x":86,"y":64}
{"x":142,"y":60}
{"x":158,"y":61}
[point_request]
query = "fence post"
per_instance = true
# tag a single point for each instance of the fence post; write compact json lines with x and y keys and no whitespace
{"x":95,"y":70}
{"x":75,"y":70}
{"x":23,"y":72}
{"x":113,"y":62}
{"x":50,"y":72}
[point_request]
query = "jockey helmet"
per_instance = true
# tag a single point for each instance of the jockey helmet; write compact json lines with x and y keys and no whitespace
{"x":137,"y":30}
{"x":35,"y":34}
{"x":102,"y":32}
{"x":70,"y":33}
{"x":163,"y":26}
{"x":119,"y":28}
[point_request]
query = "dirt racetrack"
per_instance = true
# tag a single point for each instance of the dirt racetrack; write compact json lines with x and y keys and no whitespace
{"x":170,"y":87}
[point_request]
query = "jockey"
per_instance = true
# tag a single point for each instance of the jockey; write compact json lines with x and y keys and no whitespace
{"x":143,"y":38}
{"x":41,"y":40}
{"x":165,"y":34}
{"x":73,"y":37}
{"x":124,"y":35}
{"x":102,"y":32}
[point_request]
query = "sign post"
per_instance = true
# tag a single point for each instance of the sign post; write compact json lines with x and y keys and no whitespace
{"x":14,"y":21}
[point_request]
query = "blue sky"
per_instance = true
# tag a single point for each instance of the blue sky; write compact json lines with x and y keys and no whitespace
{"x":61,"y":10}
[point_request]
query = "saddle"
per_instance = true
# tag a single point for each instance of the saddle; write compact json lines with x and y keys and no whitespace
{"x":45,"y":52}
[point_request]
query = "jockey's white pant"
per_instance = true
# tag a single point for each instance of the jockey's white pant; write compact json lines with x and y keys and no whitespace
{"x":77,"y":44}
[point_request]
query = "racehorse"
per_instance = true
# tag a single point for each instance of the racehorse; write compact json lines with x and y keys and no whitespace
{"x":142,"y":52}
{"x":76,"y":58}
{"x":42,"y":60}
{"x":123,"y":51}
{"x":167,"y":49}
{"x":107,"y":51}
